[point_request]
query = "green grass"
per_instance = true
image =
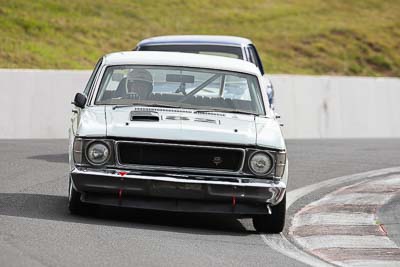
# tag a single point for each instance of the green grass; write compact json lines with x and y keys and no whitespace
{"x":337,"y":37}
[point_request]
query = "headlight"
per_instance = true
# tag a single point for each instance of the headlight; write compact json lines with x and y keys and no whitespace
{"x":260,"y":163}
{"x":98,"y":153}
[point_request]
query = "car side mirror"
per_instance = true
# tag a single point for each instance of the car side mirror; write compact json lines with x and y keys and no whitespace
{"x":80,"y":100}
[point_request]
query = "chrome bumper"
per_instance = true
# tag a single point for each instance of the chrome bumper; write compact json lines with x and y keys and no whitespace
{"x":175,"y":192}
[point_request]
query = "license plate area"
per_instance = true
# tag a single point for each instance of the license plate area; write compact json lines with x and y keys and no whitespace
{"x":177,"y":190}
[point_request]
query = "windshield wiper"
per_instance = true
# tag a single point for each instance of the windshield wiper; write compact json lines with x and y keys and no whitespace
{"x":185,"y":106}
{"x":147,"y":104}
{"x":242,"y":112}
{"x":224,"y":111}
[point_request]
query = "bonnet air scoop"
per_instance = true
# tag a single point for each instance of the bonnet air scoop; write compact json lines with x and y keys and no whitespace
{"x":144,"y":116}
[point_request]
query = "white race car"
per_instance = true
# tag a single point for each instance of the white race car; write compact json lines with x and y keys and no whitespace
{"x":178,"y":132}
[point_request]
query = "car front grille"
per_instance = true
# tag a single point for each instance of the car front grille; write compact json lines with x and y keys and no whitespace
{"x":180,"y":156}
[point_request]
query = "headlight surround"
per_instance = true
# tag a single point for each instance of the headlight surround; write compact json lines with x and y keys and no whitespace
{"x":260,"y":163}
{"x":77,"y":150}
{"x":98,"y":153}
{"x":280,"y":163}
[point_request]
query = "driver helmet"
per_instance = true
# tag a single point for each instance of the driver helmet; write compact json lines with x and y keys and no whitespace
{"x":139,"y":83}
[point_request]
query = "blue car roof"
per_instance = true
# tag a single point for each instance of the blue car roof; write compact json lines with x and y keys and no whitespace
{"x":196,"y":39}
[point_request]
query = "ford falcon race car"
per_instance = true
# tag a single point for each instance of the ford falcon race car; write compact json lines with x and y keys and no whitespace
{"x":178,"y":132}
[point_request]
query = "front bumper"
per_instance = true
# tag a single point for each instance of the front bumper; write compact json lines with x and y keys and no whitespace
{"x":177,"y":192}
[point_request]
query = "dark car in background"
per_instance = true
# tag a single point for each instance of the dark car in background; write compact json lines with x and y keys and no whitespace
{"x":227,"y":46}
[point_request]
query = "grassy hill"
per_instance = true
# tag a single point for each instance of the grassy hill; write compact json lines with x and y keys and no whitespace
{"x":357,"y":37}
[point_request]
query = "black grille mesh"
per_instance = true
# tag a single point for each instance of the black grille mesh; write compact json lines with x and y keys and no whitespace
{"x":180,"y":156}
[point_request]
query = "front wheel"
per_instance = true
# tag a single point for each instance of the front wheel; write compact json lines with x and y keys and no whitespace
{"x":74,"y":200}
{"x":272,"y":223}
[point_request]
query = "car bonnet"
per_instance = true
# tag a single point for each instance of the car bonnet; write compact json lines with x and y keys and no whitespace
{"x":181,"y":125}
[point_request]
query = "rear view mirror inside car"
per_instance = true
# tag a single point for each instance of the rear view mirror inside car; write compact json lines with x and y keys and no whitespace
{"x":180,"y":78}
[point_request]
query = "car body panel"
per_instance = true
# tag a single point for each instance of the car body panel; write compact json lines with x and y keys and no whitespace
{"x":231,"y":129}
{"x":269,"y":133}
{"x":196,"y":39}
{"x":155,"y":58}
{"x":139,"y":188}
{"x":92,"y":122}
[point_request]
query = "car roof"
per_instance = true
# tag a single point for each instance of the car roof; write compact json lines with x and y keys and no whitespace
{"x":181,"y":60}
{"x":196,"y":39}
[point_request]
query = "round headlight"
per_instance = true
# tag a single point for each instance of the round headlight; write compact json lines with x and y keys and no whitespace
{"x":98,"y":153}
{"x":260,"y":163}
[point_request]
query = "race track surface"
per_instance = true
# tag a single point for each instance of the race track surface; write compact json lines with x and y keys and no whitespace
{"x":36,"y":228}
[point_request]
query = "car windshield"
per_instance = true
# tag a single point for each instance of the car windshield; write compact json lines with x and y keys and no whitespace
{"x":195,"y":88}
{"x":216,"y":50}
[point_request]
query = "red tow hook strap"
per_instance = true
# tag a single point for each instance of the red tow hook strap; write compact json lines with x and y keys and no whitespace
{"x":120,"y":190}
{"x":233,"y":201}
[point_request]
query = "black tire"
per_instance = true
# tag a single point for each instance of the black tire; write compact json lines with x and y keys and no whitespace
{"x":273,"y":223}
{"x":75,"y":205}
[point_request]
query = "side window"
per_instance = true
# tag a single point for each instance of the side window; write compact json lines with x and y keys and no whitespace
{"x":254,"y":58}
{"x":89,"y":83}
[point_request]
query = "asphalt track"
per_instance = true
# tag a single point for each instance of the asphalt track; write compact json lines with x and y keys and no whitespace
{"x":37,"y":230}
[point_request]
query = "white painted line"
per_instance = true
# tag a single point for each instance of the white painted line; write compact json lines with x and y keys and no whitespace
{"x":389,"y":181}
{"x":354,"y":199}
{"x":367,"y":263}
{"x":294,"y":195}
{"x":345,"y":241}
{"x":285,"y":247}
{"x":323,"y":218}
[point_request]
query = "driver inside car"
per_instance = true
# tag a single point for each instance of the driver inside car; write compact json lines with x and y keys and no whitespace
{"x":139,"y":84}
